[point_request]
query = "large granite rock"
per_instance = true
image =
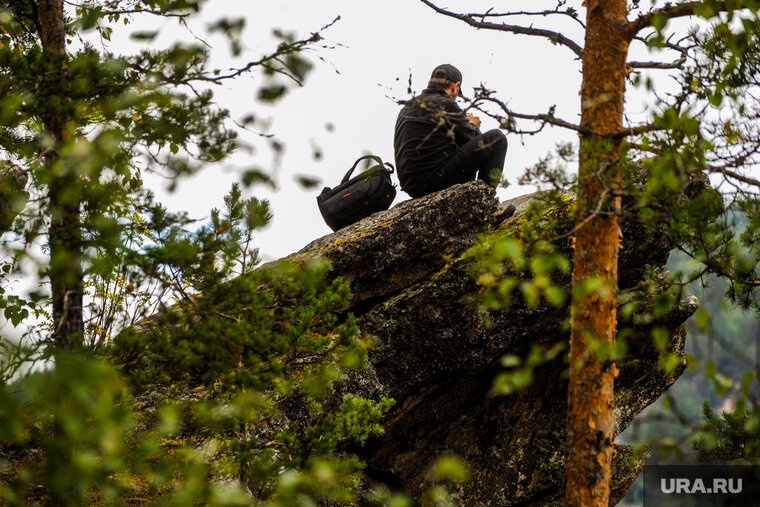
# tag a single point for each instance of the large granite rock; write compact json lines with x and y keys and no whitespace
{"x":437,"y":354}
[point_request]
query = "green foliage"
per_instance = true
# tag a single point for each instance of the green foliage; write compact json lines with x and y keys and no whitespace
{"x":77,"y":413}
{"x":447,"y":471}
{"x":710,"y":127}
{"x":720,"y":345}
{"x":232,"y":350}
{"x":521,"y":256}
{"x":519,"y":372}
{"x":251,"y":340}
{"x":244,"y":327}
{"x":14,"y":357}
{"x":731,"y":438}
{"x":85,"y":125}
{"x":525,"y":256}
{"x":237,"y":356}
{"x":553,"y":170}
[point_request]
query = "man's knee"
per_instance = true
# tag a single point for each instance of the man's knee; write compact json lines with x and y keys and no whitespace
{"x":497,"y":139}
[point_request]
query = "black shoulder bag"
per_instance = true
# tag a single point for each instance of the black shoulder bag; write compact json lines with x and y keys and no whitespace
{"x":358,"y":197}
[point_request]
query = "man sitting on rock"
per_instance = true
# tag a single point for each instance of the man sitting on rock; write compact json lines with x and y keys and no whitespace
{"x":436,"y":145}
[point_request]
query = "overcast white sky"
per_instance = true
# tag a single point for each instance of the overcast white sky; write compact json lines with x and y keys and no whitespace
{"x":377,"y":47}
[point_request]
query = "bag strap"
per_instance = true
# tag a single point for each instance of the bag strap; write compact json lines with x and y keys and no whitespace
{"x":373,"y":157}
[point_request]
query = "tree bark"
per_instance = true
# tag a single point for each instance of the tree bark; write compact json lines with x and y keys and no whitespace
{"x":593,"y":319}
{"x":66,"y":273}
{"x":51,"y":25}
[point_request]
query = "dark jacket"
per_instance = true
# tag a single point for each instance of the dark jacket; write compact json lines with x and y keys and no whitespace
{"x":429,"y":128}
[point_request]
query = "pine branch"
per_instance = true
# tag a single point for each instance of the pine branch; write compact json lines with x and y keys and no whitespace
{"x":676,"y":64}
{"x":554,"y":37}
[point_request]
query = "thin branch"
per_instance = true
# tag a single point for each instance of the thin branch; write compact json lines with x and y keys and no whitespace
{"x":617,"y":211}
{"x":183,"y":22}
{"x":554,"y":37}
{"x":635,"y":131}
{"x":676,"y":410}
{"x":229,"y":317}
{"x":668,"y":44}
{"x":597,"y":211}
{"x":569,"y":12}
{"x":146,"y":11}
{"x":282,"y":50}
{"x":706,"y":257}
{"x":676,"y":64}
{"x":697,"y":275}
{"x":733,"y":174}
{"x":594,"y":213}
{"x":545,"y":118}
{"x":178,"y":285}
{"x":551,"y":120}
{"x":732,"y":349}
{"x":166,"y":14}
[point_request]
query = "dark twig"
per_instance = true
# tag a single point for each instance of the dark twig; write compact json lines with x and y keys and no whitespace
{"x":635,"y":131}
{"x":733,"y":174}
{"x":484,"y":95}
{"x":597,"y":211}
{"x":675,"y":46}
{"x":675,"y":64}
{"x":569,"y":12}
{"x":283,"y":49}
{"x":554,"y":37}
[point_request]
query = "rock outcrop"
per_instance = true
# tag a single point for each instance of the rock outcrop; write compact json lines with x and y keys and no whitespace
{"x":436,"y":354}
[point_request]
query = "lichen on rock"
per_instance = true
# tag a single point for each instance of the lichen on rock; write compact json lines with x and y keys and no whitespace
{"x":436,"y":352}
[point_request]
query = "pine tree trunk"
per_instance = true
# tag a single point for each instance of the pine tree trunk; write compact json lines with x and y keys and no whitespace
{"x":66,"y":275}
{"x":593,"y":319}
{"x":53,"y":32}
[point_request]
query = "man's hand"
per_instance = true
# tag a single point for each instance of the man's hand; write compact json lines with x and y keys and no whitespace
{"x":473,"y":119}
